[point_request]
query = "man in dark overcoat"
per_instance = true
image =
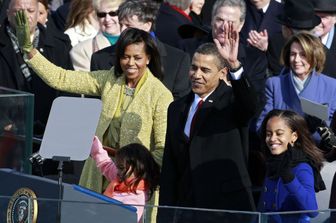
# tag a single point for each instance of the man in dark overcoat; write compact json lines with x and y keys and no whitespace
{"x":206,"y":150}
{"x":15,"y":73}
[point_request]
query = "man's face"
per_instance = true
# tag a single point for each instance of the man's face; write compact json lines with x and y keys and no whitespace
{"x":31,"y":9}
{"x":204,"y":74}
{"x":224,"y":15}
{"x":133,"y":22}
{"x":327,"y":22}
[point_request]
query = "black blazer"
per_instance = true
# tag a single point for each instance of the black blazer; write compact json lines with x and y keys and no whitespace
{"x":330,"y":65}
{"x":210,"y":169}
{"x":3,"y":10}
{"x":175,"y":65}
{"x":275,"y":44}
{"x":55,"y":47}
{"x":267,"y":21}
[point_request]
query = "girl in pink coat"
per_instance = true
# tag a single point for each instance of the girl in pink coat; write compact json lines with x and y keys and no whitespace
{"x":133,"y":176}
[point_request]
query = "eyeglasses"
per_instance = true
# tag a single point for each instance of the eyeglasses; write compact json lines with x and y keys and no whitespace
{"x":111,"y":13}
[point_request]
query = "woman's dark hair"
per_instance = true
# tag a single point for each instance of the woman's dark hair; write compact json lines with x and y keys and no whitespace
{"x":297,"y":124}
{"x":136,"y":36}
{"x":136,"y":159}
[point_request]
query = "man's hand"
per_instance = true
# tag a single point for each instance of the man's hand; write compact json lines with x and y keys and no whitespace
{"x":23,"y":31}
{"x":229,"y":48}
{"x":258,"y":40}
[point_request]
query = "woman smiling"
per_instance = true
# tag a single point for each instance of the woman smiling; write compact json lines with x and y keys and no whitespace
{"x":134,"y":100}
{"x":303,"y":58}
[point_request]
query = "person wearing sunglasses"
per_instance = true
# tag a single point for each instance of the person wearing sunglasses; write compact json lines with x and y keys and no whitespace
{"x":109,"y":31}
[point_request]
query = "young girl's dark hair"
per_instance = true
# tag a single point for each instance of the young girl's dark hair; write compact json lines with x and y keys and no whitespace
{"x":137,"y":160}
{"x":297,"y":124}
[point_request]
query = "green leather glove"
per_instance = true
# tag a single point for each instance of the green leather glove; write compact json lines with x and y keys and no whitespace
{"x":23,"y":31}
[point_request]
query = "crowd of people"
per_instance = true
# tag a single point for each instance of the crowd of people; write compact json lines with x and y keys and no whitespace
{"x":201,"y":100}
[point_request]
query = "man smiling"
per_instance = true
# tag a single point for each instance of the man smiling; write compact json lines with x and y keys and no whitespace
{"x":205,"y":156}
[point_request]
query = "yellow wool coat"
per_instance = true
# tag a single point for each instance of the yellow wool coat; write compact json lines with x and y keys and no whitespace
{"x":145,"y":120}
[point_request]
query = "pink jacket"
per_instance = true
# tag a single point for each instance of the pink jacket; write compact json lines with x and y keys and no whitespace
{"x":107,"y":167}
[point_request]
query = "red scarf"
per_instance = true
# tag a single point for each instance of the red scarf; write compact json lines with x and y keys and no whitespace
{"x":117,"y":186}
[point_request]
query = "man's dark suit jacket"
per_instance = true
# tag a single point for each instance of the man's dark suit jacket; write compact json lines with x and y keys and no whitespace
{"x":258,"y":22}
{"x":253,"y":60}
{"x":330,"y":65}
{"x":3,"y":10}
{"x":54,"y":47}
{"x":175,"y":65}
{"x":206,"y":12}
{"x":274,"y":51}
{"x":210,"y":169}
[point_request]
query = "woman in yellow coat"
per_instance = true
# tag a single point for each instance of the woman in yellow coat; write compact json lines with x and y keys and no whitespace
{"x":135,"y":102}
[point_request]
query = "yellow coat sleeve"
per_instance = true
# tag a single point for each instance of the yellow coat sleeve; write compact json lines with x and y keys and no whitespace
{"x":80,"y":82}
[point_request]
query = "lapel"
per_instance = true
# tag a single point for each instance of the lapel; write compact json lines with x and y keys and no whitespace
{"x":292,"y":99}
{"x":163,"y":54}
{"x":333,"y":43}
{"x":161,"y":48}
{"x":216,"y":100}
{"x":256,"y":16}
{"x":182,"y":112}
{"x":137,"y":100}
{"x":45,"y":40}
{"x":309,"y":91}
{"x":101,"y":41}
{"x":268,"y":16}
{"x":110,"y":56}
{"x":112,"y":96}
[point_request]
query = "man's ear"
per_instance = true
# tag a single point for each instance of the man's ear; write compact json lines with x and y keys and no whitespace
{"x":240,"y":26}
{"x":148,"y":26}
{"x":224,"y":75}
